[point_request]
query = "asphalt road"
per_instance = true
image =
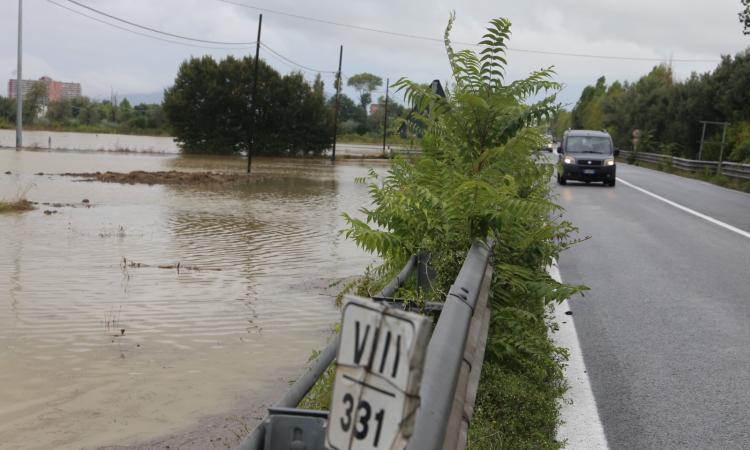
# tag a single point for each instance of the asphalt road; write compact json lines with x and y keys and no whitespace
{"x":665,"y":329}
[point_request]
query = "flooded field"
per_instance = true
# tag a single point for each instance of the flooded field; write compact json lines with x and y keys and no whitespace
{"x":105,"y":343}
{"x":60,"y":140}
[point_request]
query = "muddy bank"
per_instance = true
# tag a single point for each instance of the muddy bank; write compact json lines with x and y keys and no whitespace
{"x":225,"y":431}
{"x":167,"y":177}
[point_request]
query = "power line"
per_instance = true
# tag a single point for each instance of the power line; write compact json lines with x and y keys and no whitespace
{"x":330,"y":22}
{"x":293,"y":62}
{"x":154,"y":30}
{"x":620,"y":58}
{"x":304,"y":73}
{"x":274,"y":52}
{"x":433,"y":39}
{"x":143,"y":34}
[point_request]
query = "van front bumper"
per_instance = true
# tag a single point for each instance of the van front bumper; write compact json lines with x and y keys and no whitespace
{"x":588,"y":173}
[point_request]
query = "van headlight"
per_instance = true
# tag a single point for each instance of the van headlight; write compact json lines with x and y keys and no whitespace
{"x":569,"y":160}
{"x":609,"y":162}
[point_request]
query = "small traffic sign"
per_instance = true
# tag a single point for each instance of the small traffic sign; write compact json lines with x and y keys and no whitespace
{"x":379,"y":368}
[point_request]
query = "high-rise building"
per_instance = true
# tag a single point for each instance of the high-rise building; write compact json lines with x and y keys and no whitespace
{"x":56,"y":90}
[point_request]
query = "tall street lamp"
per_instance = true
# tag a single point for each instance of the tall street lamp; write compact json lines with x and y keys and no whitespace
{"x":19,"y":91}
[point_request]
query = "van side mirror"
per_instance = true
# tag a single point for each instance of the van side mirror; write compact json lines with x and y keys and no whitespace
{"x":560,"y":150}
{"x":617,"y":152}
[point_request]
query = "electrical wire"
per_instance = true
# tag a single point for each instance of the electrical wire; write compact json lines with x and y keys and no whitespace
{"x":330,"y":22}
{"x":154,"y":30}
{"x":293,"y":62}
{"x":144,"y":34}
{"x":433,"y":39}
{"x":274,"y":52}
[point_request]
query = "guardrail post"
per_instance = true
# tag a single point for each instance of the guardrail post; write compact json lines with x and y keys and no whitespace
{"x":721,"y":152}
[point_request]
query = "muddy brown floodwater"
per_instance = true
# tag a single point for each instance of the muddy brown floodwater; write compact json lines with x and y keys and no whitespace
{"x":98,"y":353}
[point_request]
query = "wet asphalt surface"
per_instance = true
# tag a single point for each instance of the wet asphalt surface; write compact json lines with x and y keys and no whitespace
{"x":665,"y":329}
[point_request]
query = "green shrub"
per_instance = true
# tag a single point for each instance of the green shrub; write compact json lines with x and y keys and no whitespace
{"x":479,"y":178}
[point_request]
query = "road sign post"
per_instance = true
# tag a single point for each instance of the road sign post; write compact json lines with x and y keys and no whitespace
{"x":379,"y":369}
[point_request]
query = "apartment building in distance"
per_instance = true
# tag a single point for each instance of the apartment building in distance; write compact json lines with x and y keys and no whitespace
{"x":56,"y":90}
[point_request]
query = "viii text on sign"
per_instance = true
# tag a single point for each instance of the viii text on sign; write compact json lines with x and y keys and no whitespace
{"x":379,"y":368}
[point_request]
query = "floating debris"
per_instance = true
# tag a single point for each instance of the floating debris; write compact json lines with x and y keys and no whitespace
{"x":167,"y":177}
{"x":178,"y":266}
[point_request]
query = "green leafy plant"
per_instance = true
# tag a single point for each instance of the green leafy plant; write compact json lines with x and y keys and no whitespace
{"x":480,"y":178}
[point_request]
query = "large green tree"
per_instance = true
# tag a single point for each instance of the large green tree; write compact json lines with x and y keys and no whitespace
{"x":669,"y":112}
{"x":34,"y":101}
{"x":587,"y":112}
{"x":365,"y":83}
{"x":745,"y":16}
{"x":209,"y":109}
{"x":7,"y":109}
{"x":352,"y":118}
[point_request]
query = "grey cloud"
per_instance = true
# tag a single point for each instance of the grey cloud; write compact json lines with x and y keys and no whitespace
{"x":66,"y":46}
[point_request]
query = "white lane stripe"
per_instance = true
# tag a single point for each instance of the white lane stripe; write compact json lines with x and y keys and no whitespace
{"x":687,"y":210}
{"x":581,"y":427}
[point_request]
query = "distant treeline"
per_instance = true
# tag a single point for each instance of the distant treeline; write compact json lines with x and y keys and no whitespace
{"x":84,"y":114}
{"x":208,"y":110}
{"x":668,"y":112}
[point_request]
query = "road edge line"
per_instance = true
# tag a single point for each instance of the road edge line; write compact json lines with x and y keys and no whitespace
{"x":734,"y":229}
{"x":582,"y":426}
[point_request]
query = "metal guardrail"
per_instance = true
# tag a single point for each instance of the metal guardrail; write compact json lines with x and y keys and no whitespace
{"x":452,"y":364}
{"x":376,"y":150}
{"x":730,"y":169}
{"x":454,"y":358}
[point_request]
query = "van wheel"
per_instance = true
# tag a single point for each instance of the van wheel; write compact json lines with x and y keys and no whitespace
{"x":561,"y":179}
{"x":611,"y":183}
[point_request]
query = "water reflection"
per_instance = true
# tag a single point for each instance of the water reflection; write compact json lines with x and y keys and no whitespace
{"x":97,"y":325}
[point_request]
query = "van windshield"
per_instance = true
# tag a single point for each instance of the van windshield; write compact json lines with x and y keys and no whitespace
{"x":588,"y":144}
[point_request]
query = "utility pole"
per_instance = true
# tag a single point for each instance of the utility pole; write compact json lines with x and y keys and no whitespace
{"x":113,"y":103}
{"x":385,"y":115}
{"x":336,"y":110}
{"x":19,"y":78}
{"x":723,"y":140}
{"x":255,"y":95}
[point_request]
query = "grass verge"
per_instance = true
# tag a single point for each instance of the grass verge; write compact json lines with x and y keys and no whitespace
{"x":518,"y":406}
{"x":319,"y":397}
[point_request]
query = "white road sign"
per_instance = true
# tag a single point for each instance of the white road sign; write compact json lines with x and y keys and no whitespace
{"x":379,"y":368}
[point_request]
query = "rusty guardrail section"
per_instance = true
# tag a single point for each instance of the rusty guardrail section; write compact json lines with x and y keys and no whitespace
{"x":730,"y":169}
{"x":453,"y":360}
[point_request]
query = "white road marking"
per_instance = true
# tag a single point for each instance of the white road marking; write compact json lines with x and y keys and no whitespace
{"x":582,"y":427}
{"x":687,"y":210}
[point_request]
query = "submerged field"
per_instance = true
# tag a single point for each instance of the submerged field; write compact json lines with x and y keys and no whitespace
{"x":163,"y":314}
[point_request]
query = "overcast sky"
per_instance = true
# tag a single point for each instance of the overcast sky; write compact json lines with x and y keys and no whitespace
{"x":69,"y":47}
